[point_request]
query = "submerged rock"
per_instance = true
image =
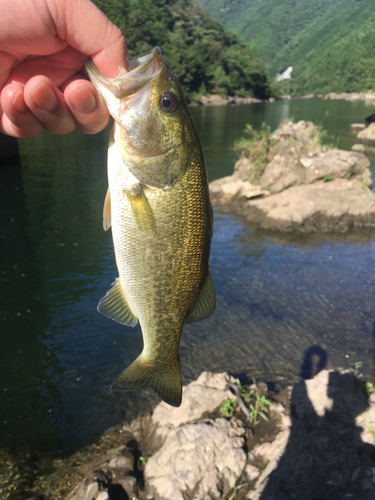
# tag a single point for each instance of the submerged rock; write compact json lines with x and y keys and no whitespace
{"x":357,"y":127}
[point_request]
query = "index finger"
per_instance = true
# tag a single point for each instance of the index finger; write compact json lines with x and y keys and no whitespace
{"x":88,"y":30}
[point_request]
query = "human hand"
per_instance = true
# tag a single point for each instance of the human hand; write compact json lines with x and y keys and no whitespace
{"x":44,"y":45}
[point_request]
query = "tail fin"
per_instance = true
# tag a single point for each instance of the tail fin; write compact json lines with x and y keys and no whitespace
{"x":142,"y":373}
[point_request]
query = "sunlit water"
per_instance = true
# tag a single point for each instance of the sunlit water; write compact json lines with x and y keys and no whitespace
{"x":277,"y":295}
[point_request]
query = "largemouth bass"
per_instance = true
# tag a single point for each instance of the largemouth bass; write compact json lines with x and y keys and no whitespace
{"x":161,"y":217}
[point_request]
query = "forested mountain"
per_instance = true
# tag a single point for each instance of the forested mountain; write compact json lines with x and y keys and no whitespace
{"x":206,"y":57}
{"x":329,"y":43}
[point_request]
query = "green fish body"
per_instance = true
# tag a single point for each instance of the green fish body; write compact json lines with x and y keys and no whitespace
{"x":159,"y":209}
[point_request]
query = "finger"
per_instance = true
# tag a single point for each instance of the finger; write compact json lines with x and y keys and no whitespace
{"x":103,"y":42}
{"x":87,"y":106}
{"x":58,"y":67}
{"x":47,"y":103}
{"x":17,"y":120}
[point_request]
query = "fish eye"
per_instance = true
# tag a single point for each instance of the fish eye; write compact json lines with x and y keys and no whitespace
{"x":168,"y":103}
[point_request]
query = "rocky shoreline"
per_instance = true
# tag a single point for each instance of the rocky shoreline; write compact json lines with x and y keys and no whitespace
{"x":352,"y":96}
{"x":304,"y":187}
{"x":318,"y":442}
{"x":217,"y":100}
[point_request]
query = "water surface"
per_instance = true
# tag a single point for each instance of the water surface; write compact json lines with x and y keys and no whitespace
{"x":277,"y":295}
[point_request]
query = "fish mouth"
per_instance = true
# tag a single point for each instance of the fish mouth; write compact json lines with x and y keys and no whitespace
{"x":142,"y":71}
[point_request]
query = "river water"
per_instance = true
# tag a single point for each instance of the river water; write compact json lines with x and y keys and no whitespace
{"x":282,"y":300}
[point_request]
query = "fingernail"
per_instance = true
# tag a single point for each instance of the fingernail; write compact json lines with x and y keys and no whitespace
{"x":19,"y":102}
{"x":83,"y":100}
{"x":44,"y":97}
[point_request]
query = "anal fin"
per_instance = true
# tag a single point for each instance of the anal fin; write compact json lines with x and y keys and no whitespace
{"x":205,"y":304}
{"x":115,"y":306}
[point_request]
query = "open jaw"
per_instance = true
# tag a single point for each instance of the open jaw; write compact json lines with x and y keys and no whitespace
{"x":142,"y":71}
{"x":131,"y":89}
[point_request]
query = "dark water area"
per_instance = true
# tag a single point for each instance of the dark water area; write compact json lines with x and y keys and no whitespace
{"x":277,"y":295}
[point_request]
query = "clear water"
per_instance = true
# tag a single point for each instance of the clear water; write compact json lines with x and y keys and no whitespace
{"x":277,"y":295}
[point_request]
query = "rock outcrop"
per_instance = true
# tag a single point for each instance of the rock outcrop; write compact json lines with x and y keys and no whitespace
{"x":199,"y":460}
{"x":304,"y":187}
{"x":217,"y":100}
{"x":367,"y":135}
{"x":318,"y":441}
{"x":334,"y":206}
{"x":352,"y":96}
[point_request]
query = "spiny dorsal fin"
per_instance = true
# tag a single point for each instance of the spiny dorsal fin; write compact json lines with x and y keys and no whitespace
{"x":115,"y":306}
{"x":107,"y":211}
{"x":142,"y":210}
{"x":204,"y":307}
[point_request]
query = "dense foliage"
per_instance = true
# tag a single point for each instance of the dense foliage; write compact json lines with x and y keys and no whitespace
{"x":207,"y":58}
{"x":329,"y":43}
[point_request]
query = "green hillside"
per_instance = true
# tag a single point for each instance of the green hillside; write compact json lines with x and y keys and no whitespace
{"x":329,"y":43}
{"x":207,"y":58}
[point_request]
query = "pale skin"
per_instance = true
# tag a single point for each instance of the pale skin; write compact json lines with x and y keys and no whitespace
{"x":44,"y":45}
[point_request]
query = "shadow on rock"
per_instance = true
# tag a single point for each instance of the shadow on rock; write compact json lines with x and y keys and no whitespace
{"x":326,"y":455}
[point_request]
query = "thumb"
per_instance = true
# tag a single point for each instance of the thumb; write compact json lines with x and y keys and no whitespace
{"x":87,"y":29}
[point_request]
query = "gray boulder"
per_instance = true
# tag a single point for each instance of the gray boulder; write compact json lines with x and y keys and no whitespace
{"x":338,"y":164}
{"x":201,"y":459}
{"x":357,"y":127}
{"x":282,"y":172}
{"x":201,"y":396}
{"x":229,"y":188}
{"x":243,"y":168}
{"x":286,"y":170}
{"x":367,"y":136}
{"x":334,"y":206}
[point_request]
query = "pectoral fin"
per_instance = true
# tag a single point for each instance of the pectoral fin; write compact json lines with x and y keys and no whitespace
{"x":142,"y":211}
{"x":204,"y":307}
{"x":107,"y":211}
{"x":115,"y":306}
